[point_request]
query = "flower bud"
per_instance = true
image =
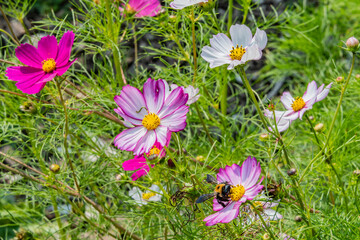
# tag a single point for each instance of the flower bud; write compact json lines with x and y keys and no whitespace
{"x":264,"y":137}
{"x":28,"y":107}
{"x":311,"y":118}
{"x":352,"y":44}
{"x":266,"y":236}
{"x":54,"y":168}
{"x":319,"y":127}
{"x":200,"y":158}
{"x":271,"y":107}
{"x":298,"y":219}
{"x":357,"y":76}
{"x":339,"y":79}
{"x":119,"y":176}
{"x":291,"y":171}
{"x":356,"y":172}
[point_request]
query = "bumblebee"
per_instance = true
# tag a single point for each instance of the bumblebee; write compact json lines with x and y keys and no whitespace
{"x":221,"y":192}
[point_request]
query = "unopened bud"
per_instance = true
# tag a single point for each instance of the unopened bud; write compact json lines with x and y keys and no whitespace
{"x":291,"y":172}
{"x":54,"y":168}
{"x":339,"y":79}
{"x":119,"y":176}
{"x":200,"y":158}
{"x":266,"y":236}
{"x":356,"y":172}
{"x":311,"y":118}
{"x":172,"y":17}
{"x":319,"y":127}
{"x":298,"y":219}
{"x":264,"y":137}
{"x":357,"y":76}
{"x":96,"y":1}
{"x":271,"y":107}
{"x":352,"y":44}
{"x":28,"y":107}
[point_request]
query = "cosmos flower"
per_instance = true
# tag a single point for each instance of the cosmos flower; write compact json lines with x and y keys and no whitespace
{"x":265,"y":209}
{"x":245,"y":186}
{"x":296,"y":107}
{"x":241,"y":48}
{"x":149,"y":115}
{"x":48,"y":60}
{"x":282,"y":123}
{"x":142,"y":8}
{"x":142,"y":198}
{"x":139,"y":163}
{"x":192,"y":92}
{"x":180,"y":4}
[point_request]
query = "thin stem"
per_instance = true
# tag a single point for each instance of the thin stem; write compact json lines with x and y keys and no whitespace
{"x":11,"y":37}
{"x":230,"y":14}
{"x":26,"y":30}
{"x":262,"y":220}
{"x":203,"y":123}
{"x":213,"y":13}
{"x":9,"y":25}
{"x":57,"y":215}
{"x":66,"y":135}
{"x":223,"y":100}
{"x":193,"y":42}
{"x":246,"y":10}
{"x":356,"y":197}
{"x":136,"y":50}
{"x":312,"y":129}
{"x":333,"y":120}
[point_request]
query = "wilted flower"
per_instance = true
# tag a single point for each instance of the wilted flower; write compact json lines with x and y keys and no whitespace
{"x":50,"y":59}
{"x":142,"y":8}
{"x":150,"y":115}
{"x":296,"y":107}
{"x":245,"y":186}
{"x":142,"y":198}
{"x":193,"y":93}
{"x":180,"y":4}
{"x":242,"y":48}
{"x":140,"y":164}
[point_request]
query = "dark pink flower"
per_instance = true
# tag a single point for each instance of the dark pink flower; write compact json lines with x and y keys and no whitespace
{"x":244,"y":186}
{"x":149,"y":115}
{"x":142,"y":8}
{"x":139,"y":163}
{"x":50,"y":59}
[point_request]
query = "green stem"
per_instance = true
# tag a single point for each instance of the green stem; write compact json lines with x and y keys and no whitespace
{"x":203,"y":123}
{"x":215,"y":19}
{"x":193,"y":43}
{"x":26,"y":30}
{"x":246,"y":10}
{"x":9,"y":25}
{"x":356,"y":197}
{"x":333,"y":120}
{"x":230,"y":13}
{"x":66,"y":135}
{"x":57,"y":215}
{"x":135,"y":50}
{"x":223,"y":100}
{"x":262,"y":220}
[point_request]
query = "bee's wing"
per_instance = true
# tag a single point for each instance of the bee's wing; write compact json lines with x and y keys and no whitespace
{"x":205,"y":197}
{"x":211,"y":179}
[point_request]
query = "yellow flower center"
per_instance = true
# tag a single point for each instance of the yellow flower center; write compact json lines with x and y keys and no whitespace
{"x":48,"y":65}
{"x":155,"y":151}
{"x":147,"y":196}
{"x":237,"y":53}
{"x":237,"y":192}
{"x":151,"y":121}
{"x":298,"y":104}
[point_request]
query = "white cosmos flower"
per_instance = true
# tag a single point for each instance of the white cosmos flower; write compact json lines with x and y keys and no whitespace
{"x":282,"y":122}
{"x":192,"y":92}
{"x":142,"y":198}
{"x":242,"y":47}
{"x":265,"y":209}
{"x":180,"y":4}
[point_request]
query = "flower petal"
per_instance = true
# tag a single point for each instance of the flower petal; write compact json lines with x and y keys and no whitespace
{"x":145,"y":143}
{"x":28,"y":55}
{"x":311,"y":91}
{"x":240,"y":35}
{"x":227,"y":214}
{"x":176,"y":99}
{"x":135,"y":163}
{"x":222,"y":44}
{"x":214,"y":57}
{"x":129,"y":138}
{"x":47,"y":47}
{"x":154,"y":95}
{"x":176,"y":121}
{"x":321,"y":95}
{"x":260,"y":39}
{"x":162,"y":135}
{"x":139,"y":173}
{"x":61,"y":70}
{"x":252,"y":53}
{"x":64,"y":49}
{"x":287,"y":100}
{"x":180,"y":4}
{"x":132,"y":102}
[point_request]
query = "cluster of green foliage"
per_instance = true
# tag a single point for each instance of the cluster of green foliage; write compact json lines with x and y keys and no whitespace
{"x":305,"y":44}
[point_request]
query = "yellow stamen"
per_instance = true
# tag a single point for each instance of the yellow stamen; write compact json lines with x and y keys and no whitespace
{"x":48,"y":65}
{"x":237,"y":53}
{"x":151,"y":121}
{"x":237,"y":192}
{"x":154,"y":150}
{"x":147,"y":196}
{"x":298,"y":104}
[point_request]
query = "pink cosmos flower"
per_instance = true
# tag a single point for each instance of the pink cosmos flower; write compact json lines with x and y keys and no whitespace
{"x":150,"y":115}
{"x":142,"y":8}
{"x":282,"y":122}
{"x":191,"y":91}
{"x":242,"y":47}
{"x":245,"y":186}
{"x":139,"y":163}
{"x":180,"y":4}
{"x":296,"y":107}
{"x":50,"y":59}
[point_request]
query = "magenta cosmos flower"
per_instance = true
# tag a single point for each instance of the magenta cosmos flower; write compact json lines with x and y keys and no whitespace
{"x":245,"y":186}
{"x":150,"y":115}
{"x":50,"y":59}
{"x":180,"y":4}
{"x":241,"y":48}
{"x":139,"y":164}
{"x":142,"y":8}
{"x":296,"y":107}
